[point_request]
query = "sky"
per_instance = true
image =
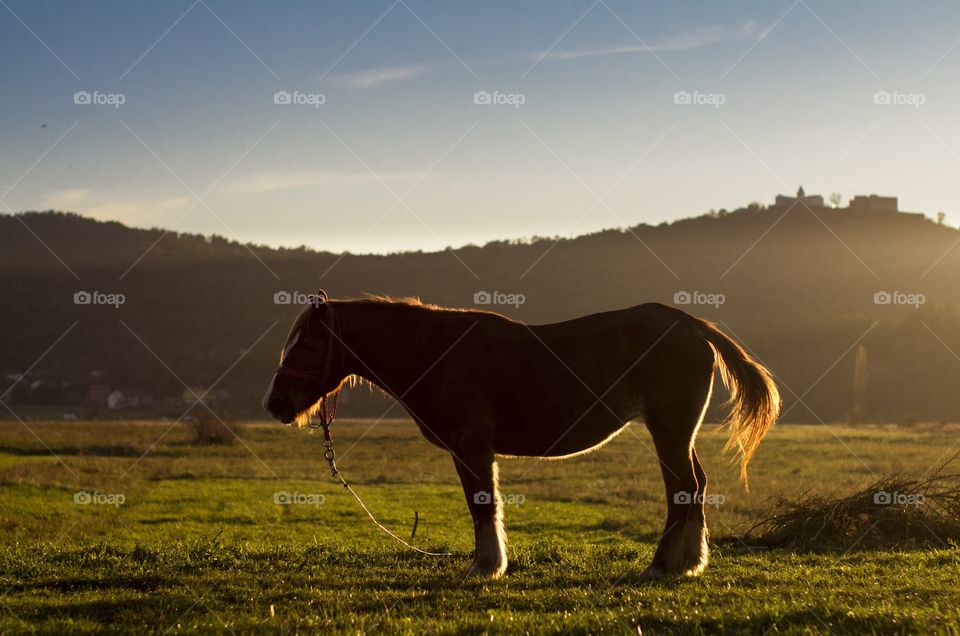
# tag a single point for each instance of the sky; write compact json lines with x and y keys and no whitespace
{"x":398,"y":125}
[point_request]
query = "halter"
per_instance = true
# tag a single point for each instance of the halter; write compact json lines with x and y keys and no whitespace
{"x":325,"y":415}
{"x":300,"y":373}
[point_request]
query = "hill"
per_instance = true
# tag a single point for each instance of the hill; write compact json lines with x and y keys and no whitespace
{"x":803,"y":288}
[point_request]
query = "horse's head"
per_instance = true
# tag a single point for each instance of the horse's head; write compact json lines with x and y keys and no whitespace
{"x":307,"y":372}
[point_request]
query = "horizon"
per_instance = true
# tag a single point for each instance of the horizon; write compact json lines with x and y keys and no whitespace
{"x":529,"y":239}
{"x":407,"y":126}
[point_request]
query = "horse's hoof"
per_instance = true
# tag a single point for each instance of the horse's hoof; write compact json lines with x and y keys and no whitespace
{"x":653,"y":573}
{"x":696,"y":570}
{"x":486,"y":570}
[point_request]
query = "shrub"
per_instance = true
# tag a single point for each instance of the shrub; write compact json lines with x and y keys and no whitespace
{"x":213,"y":431}
{"x":895,"y":512}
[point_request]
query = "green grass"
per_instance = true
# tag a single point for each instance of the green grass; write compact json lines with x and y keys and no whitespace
{"x":199,"y":545}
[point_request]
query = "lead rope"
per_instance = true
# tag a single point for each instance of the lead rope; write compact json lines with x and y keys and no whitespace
{"x":326,"y":419}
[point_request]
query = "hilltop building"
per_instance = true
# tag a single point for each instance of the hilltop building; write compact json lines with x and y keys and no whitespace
{"x":811,"y":201}
{"x":861,"y":204}
{"x":873,"y":203}
{"x":877,"y":205}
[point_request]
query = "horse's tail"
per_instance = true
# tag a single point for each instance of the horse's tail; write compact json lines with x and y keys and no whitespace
{"x":754,"y":398}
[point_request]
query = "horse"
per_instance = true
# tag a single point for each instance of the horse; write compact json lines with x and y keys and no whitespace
{"x":483,"y":386}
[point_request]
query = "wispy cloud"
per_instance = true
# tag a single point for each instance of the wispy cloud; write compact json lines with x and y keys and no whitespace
{"x":683,"y":41}
{"x":271,"y":181}
{"x":141,"y":211}
{"x":67,"y":199}
{"x":371,"y":78}
{"x":105,"y":206}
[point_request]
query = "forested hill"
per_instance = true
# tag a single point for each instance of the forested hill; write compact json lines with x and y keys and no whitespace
{"x":798,"y":287}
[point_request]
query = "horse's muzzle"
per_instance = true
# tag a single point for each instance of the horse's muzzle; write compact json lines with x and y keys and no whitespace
{"x":274,"y":406}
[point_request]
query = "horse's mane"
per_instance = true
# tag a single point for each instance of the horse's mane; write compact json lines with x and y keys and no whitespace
{"x":384,"y":299}
{"x":404,"y":301}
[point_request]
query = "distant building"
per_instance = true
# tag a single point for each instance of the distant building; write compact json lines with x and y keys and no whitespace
{"x":811,"y":201}
{"x":116,"y":400}
{"x":873,"y":203}
{"x":128,"y":399}
{"x":98,"y":393}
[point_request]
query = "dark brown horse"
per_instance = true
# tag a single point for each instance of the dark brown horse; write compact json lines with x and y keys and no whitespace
{"x":481,"y":385}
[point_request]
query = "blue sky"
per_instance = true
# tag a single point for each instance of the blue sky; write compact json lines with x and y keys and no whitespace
{"x":399,"y":156}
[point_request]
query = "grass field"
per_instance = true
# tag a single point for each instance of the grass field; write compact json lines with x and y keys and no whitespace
{"x":180,"y":538}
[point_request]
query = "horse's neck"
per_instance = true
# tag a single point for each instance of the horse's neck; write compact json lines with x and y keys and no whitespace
{"x":383,"y":342}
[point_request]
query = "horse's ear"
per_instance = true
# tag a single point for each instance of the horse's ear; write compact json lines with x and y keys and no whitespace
{"x":319,"y":314}
{"x":319,"y":300}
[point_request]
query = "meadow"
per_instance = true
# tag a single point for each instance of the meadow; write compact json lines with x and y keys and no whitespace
{"x":128,"y":527}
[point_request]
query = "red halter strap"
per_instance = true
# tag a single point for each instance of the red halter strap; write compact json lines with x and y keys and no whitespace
{"x":300,"y":373}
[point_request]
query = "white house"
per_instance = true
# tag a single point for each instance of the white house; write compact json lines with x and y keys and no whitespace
{"x":116,"y":400}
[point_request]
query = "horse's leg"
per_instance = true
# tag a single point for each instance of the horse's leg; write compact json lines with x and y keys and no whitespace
{"x":683,"y":546}
{"x":478,"y":475}
{"x":698,"y":547}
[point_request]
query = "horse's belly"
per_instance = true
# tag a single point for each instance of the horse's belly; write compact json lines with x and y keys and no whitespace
{"x":555,"y":440}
